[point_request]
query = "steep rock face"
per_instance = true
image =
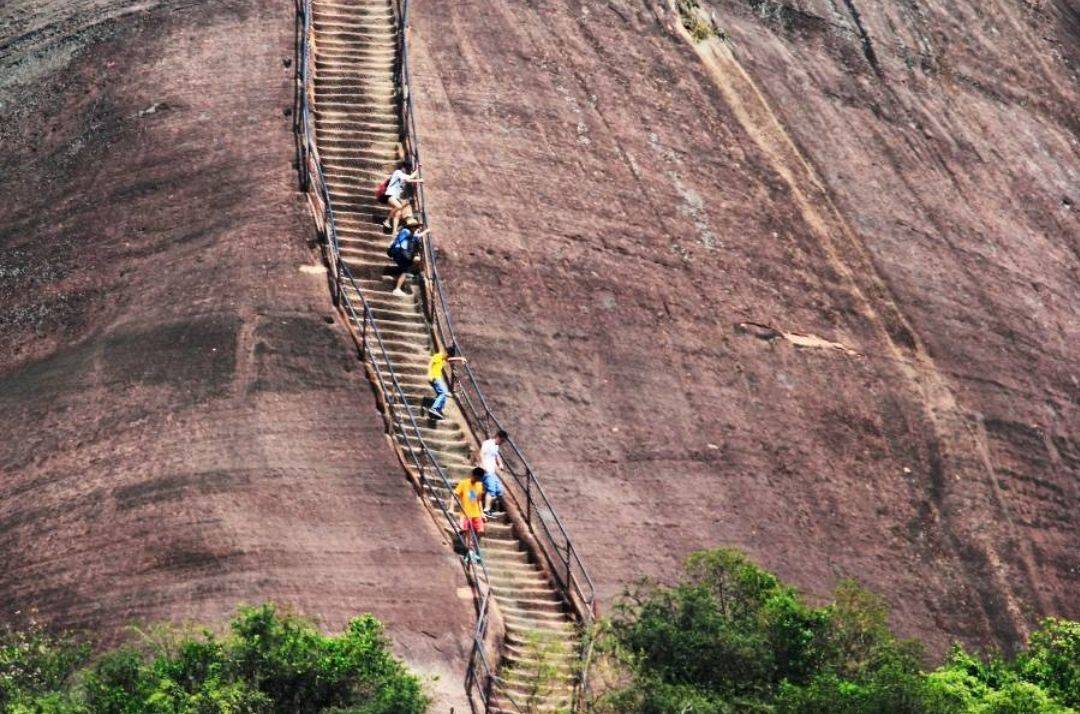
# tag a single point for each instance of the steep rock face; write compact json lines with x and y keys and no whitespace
{"x":812,"y":293}
{"x":185,"y":425}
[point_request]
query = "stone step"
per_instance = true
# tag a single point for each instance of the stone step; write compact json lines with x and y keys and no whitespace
{"x":510,"y":575}
{"x":349,"y":55}
{"x":381,"y":313}
{"x":363,"y":232}
{"x":338,"y":95}
{"x":511,"y":558}
{"x":377,"y":112}
{"x":367,"y":17}
{"x":555,"y":685}
{"x":327,"y":135}
{"x":521,"y":601}
{"x":355,"y":173}
{"x":556,"y":617}
{"x":330,"y":24}
{"x":364,"y":41}
{"x":363,"y":259}
{"x":352,"y":5}
{"x":526,"y":638}
{"x":528,"y":654}
{"x":367,"y":86}
{"x":380,"y":61}
{"x":339,"y":115}
{"x":520,"y":703}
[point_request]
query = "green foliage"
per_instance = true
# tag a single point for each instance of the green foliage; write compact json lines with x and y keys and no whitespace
{"x":696,"y":21}
{"x":1052,"y":660}
{"x":731,"y":637}
{"x":32,"y":660}
{"x":268,"y":663}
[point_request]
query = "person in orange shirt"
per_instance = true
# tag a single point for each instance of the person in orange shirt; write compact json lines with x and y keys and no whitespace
{"x":469,"y":493}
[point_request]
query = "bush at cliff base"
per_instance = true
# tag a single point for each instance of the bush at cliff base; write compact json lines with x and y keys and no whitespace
{"x":267,"y":662}
{"x":730,"y":637}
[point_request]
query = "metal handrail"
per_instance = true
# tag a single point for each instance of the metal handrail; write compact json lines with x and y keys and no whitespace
{"x":388,"y":383}
{"x":399,"y":413}
{"x":530,"y":498}
{"x":563,"y":558}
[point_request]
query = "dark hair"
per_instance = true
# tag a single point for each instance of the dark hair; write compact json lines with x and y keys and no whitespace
{"x":406,"y":165}
{"x":477,"y":472}
{"x":502,"y":434}
{"x":451,"y":351}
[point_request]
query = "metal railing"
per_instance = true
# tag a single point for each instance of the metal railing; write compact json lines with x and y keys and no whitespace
{"x":401,"y":421}
{"x":533,"y":507}
{"x":563,"y":558}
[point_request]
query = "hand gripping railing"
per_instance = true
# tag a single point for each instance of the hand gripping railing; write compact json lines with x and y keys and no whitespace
{"x":549,"y":534}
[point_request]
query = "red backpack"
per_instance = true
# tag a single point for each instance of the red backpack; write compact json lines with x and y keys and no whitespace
{"x":380,"y":190}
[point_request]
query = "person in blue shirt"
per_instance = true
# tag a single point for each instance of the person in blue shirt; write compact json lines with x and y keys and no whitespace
{"x":405,"y":252}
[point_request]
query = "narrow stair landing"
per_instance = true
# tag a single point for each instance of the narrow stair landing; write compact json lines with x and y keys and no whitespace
{"x":357,"y":131}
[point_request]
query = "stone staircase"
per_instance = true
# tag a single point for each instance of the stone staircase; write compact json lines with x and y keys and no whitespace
{"x":357,"y":130}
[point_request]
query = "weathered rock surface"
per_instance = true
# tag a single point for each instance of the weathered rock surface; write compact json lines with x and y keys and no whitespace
{"x":638,"y":237}
{"x":185,"y":428}
{"x":896,"y":179}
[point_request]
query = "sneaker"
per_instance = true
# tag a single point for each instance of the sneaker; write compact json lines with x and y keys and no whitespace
{"x":489,"y":514}
{"x":387,"y":224}
{"x":475,"y":557}
{"x":434,"y":413}
{"x":398,"y":292}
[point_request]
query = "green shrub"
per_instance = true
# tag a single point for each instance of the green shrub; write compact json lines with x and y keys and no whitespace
{"x":1052,"y":660}
{"x":268,"y":662}
{"x":32,"y":660}
{"x":731,"y":637}
{"x":696,"y":21}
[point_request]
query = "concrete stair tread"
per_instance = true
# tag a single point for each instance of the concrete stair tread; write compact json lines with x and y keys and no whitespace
{"x":526,"y":654}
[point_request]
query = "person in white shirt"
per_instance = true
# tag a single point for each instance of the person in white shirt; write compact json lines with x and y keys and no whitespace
{"x":395,"y":194}
{"x":491,"y":461}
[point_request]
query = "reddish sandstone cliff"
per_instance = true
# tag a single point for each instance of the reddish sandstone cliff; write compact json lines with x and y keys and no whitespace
{"x":899,"y":179}
{"x":184,"y":431}
{"x":184,"y":426}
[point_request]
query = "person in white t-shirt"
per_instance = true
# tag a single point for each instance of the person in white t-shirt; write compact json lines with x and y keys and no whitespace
{"x":491,"y":461}
{"x":396,"y":194}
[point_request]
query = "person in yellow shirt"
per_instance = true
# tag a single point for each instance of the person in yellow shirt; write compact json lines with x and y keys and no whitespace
{"x":436,"y":366}
{"x":469,"y":494}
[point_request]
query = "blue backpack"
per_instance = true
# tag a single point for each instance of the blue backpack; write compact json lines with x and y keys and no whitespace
{"x":404,"y":245}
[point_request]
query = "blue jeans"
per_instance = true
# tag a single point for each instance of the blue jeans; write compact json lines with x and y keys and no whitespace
{"x":441,"y":394}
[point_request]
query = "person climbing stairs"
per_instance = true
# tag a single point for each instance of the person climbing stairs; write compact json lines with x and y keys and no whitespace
{"x":357,"y":131}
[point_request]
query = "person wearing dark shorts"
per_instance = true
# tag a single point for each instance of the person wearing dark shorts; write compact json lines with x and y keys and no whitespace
{"x":395,"y":194}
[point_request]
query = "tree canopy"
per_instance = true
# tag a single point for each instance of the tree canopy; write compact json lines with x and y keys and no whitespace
{"x":731,"y":637}
{"x":268,"y":662}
